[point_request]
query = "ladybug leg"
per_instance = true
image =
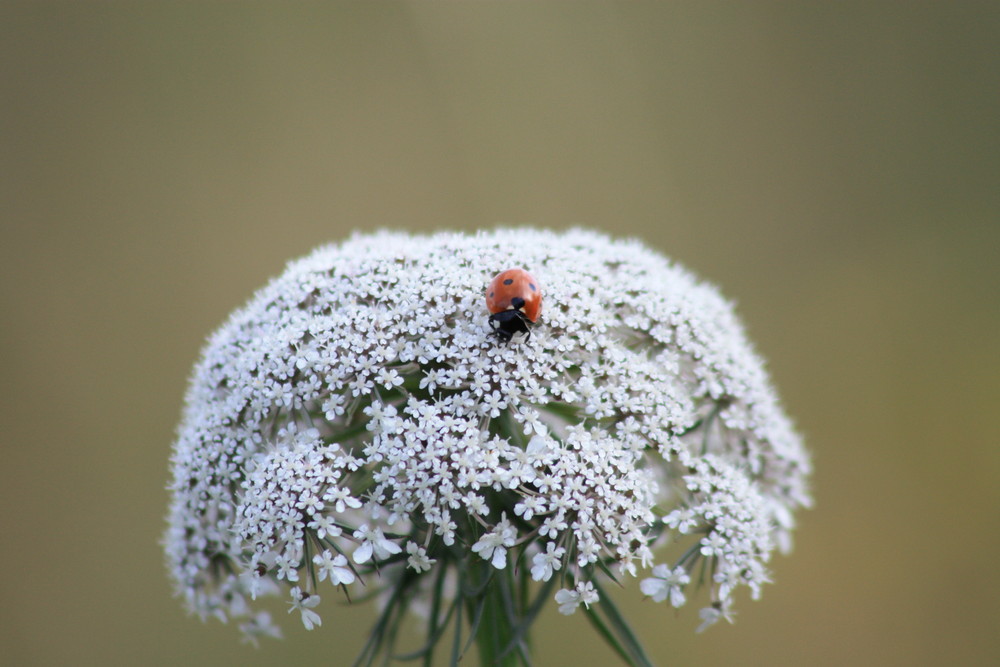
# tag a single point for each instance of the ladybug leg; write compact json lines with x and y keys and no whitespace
{"x":519,"y":324}
{"x":525,"y":326}
{"x":497,"y":323}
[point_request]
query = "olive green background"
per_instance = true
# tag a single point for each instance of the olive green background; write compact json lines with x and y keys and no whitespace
{"x":833,"y":167}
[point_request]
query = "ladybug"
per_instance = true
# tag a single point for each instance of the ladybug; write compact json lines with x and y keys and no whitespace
{"x":515,"y":301}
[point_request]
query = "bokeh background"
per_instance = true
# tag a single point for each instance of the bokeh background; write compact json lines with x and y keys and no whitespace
{"x":833,"y":167}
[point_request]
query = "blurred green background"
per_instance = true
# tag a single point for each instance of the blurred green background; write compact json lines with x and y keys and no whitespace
{"x":833,"y":167}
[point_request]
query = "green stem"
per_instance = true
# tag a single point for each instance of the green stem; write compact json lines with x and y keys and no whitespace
{"x":497,"y":627}
{"x":494,"y":631}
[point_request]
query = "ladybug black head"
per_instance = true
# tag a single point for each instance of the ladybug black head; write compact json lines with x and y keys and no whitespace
{"x":506,"y":323}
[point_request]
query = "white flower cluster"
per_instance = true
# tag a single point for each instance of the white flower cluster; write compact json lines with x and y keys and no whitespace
{"x":359,"y":417}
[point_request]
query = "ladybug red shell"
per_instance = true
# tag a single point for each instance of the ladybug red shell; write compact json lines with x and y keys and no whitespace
{"x":514,"y":298}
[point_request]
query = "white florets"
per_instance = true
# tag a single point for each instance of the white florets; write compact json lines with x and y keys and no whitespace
{"x":359,"y":417}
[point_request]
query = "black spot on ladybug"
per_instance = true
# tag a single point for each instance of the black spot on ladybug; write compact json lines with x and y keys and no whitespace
{"x":509,"y":281}
{"x":491,"y":295}
{"x":532,"y":286}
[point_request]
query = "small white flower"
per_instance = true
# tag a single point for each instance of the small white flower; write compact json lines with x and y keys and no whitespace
{"x":681,"y":520}
{"x":529,"y":507}
{"x":418,"y":559}
{"x":334,"y":567}
{"x":543,"y":564}
{"x":304,"y":602}
{"x":389,"y":378}
{"x":287,"y":568}
{"x":476,"y":504}
{"x":325,"y":527}
{"x":493,"y":403}
{"x":341,"y":499}
{"x":712,"y":615}
{"x":493,"y":545}
{"x":569,"y":600}
{"x":666,"y":583}
{"x":373,"y":541}
{"x":713,"y":545}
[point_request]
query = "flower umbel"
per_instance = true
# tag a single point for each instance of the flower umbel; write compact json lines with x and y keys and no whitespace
{"x":359,"y":425}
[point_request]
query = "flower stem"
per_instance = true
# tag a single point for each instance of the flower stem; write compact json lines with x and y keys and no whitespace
{"x":500,"y":641}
